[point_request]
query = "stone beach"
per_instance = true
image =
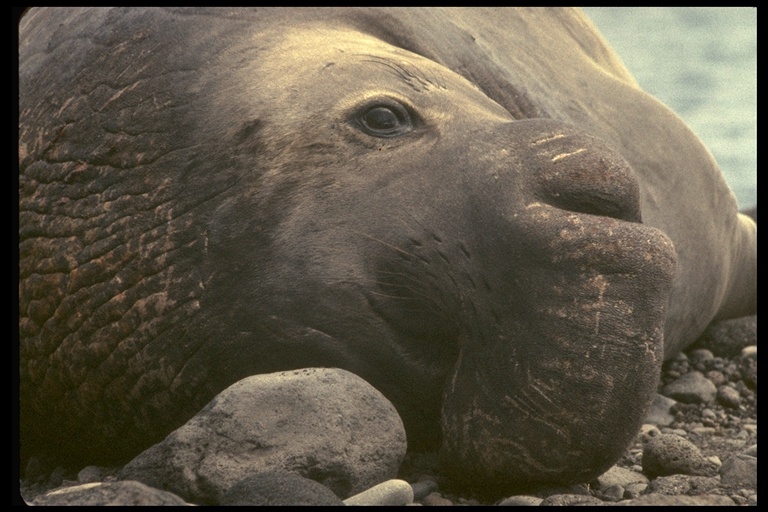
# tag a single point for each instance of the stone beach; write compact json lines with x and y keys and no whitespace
{"x":701,"y":449}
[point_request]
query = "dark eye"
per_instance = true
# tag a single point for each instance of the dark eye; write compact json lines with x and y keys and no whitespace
{"x":385,"y":120}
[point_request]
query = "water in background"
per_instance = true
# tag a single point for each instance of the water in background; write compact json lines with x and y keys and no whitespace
{"x":702,"y":63}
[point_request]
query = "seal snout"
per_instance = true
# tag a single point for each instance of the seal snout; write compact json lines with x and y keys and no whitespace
{"x":580,"y":173}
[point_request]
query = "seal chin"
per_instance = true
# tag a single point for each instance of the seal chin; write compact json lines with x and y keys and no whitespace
{"x":541,"y":396}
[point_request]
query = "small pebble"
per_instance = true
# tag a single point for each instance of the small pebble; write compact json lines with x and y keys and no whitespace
{"x":634,"y":490}
{"x":569,"y":500}
{"x":739,"y":470}
{"x":422,"y":488}
{"x":57,"y":476}
{"x":728,"y":396}
{"x":750,"y":351}
{"x":390,"y":493}
{"x":659,"y":412}
{"x":691,"y":388}
{"x":89,"y":474}
{"x":435,"y":499}
{"x":521,"y":501}
{"x":717,"y":377}
{"x":613,"y":493}
{"x":682,"y":484}
{"x":699,"y":357}
{"x":676,"y":432}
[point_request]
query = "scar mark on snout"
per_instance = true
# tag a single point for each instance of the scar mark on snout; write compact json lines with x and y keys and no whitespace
{"x":548,"y":139}
{"x":602,"y":284}
{"x":565,"y":155}
{"x":395,"y":248}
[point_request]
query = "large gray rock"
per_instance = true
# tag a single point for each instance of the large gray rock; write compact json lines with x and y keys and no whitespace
{"x":328,"y":425}
{"x":111,"y":493}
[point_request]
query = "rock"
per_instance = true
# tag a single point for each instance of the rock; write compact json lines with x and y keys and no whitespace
{"x":435,"y":499}
{"x":325,"y":424}
{"x":726,"y":338}
{"x":90,"y":474}
{"x":57,"y":476}
{"x":658,"y":413}
{"x":716,"y":376}
{"x":649,"y":500}
{"x":110,"y":493}
{"x":279,"y":489}
{"x":749,"y":352}
{"x":751,"y":451}
{"x":422,"y":488}
{"x":390,"y":493}
{"x":739,"y":469}
{"x":632,"y":491}
{"x":521,"y":501}
{"x":568,"y":500}
{"x":748,"y":369}
{"x":682,"y":484}
{"x":612,"y":493}
{"x":699,"y":357}
{"x":739,"y":500}
{"x":668,"y":454}
{"x":619,"y":476}
{"x":728,"y":396}
{"x":691,"y":388}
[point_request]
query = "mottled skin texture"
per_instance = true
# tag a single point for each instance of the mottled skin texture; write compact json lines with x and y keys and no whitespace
{"x":477,"y":211}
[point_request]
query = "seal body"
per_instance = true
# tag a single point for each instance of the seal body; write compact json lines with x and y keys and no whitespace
{"x":476,"y":210}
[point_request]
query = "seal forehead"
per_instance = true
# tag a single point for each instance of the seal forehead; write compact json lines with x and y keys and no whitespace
{"x":311,"y":42}
{"x":324,"y":51}
{"x":325,"y":66}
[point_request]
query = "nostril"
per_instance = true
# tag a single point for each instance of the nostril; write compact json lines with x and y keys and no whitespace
{"x":596,"y":200}
{"x":589,"y":178}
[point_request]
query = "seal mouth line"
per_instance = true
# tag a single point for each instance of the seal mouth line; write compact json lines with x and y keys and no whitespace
{"x":566,"y":155}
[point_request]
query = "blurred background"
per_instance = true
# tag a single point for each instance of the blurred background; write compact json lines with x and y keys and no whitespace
{"x":702,"y":63}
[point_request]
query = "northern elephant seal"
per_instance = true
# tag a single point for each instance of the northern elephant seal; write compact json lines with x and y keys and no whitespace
{"x":476,"y":210}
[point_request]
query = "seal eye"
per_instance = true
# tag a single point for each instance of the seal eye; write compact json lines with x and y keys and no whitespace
{"x":385,"y":120}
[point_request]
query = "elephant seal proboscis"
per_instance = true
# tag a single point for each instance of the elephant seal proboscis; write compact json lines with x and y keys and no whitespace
{"x":476,"y":210}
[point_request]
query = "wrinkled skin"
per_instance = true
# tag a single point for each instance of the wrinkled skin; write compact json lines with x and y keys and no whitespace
{"x":476,"y":211}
